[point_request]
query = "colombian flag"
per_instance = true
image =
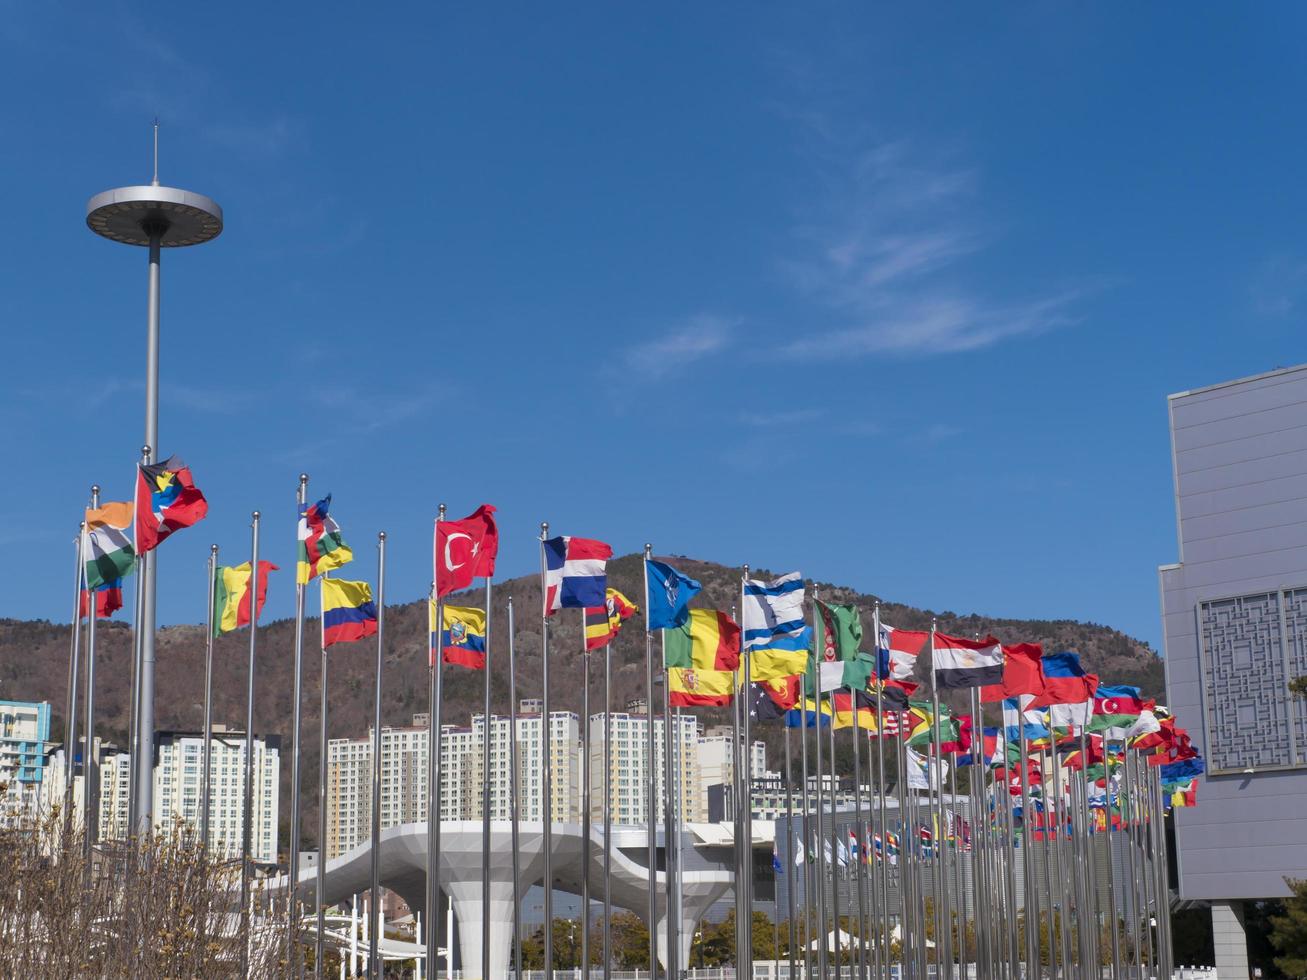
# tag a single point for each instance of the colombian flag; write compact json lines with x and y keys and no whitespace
{"x":603,"y":623}
{"x":231,"y":595}
{"x":167,"y":500}
{"x":462,"y":636}
{"x":347,"y":611}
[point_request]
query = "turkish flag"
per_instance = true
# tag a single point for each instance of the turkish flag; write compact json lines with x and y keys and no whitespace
{"x":464,"y":550}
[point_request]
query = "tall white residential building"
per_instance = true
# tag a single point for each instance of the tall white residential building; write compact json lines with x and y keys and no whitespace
{"x":24,"y":749}
{"x":404,"y":774}
{"x":629,"y":762}
{"x":716,"y":763}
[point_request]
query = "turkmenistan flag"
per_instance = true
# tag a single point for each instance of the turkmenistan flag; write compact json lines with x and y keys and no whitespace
{"x":708,"y":640}
{"x":840,"y":631}
{"x":107,"y":543}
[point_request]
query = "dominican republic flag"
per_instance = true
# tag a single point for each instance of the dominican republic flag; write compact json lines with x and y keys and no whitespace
{"x":897,"y":650}
{"x":576,"y":573}
{"x":967,"y":663}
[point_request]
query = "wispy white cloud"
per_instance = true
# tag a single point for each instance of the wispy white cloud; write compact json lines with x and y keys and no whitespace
{"x":773,"y":420}
{"x":698,"y":337}
{"x":1279,"y":286}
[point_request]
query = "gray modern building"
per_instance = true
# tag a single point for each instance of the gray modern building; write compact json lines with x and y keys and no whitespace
{"x":1234,"y":613}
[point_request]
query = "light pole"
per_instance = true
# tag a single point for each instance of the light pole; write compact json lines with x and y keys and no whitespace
{"x":156,"y":217}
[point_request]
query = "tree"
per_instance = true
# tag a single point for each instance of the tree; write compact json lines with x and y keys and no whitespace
{"x":630,"y":942}
{"x":1289,"y":930}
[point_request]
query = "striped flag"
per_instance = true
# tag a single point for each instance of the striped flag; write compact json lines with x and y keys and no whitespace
{"x":107,"y":546}
{"x":576,"y":573}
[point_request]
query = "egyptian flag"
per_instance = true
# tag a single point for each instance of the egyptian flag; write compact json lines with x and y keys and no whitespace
{"x":167,"y":500}
{"x":959,"y":662}
{"x":603,"y":623}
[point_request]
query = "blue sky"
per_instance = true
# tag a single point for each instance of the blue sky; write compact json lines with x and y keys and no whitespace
{"x":892,"y":296}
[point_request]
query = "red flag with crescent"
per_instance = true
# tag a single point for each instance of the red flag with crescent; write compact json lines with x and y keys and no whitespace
{"x":465,"y":550}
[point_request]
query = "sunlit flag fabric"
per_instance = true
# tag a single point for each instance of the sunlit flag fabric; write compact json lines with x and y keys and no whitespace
{"x":784,"y":692}
{"x":1022,"y":721}
{"x":670,"y":593}
{"x":775,"y":633}
{"x":167,"y":500}
{"x":1183,"y":793}
{"x":691,"y":688}
{"x":1023,"y":673}
{"x":925,"y":772}
{"x":809,"y":714}
{"x":762,"y":707}
{"x":897,"y":651}
{"x":709,"y":640}
{"x":840,"y":633}
{"x":107,"y":543}
{"x":108,"y":600}
{"x":465,"y":550}
{"x":1115,"y":709}
{"x":462,"y":637}
{"x":576,"y":573}
{"x":321,"y":548}
{"x":348,"y":612}
{"x":231,"y":595}
{"x":603,"y":623}
{"x":960,"y":662}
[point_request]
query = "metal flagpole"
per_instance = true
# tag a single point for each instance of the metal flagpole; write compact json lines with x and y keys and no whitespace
{"x":807,"y":839}
{"x":789,"y":844}
{"x":1090,"y":842}
{"x":74,"y":672}
{"x":608,"y":810}
{"x":1008,"y":859}
{"x":1063,"y":866}
{"x":835,"y":837}
{"x":247,"y":815}
{"x":435,"y":683}
{"x":822,"y":842}
{"x":1047,"y":872}
{"x":320,"y":897}
{"x":1113,"y":916}
{"x":1163,"y":875}
{"x":650,"y":775}
{"x":954,"y":838}
{"x":1027,"y":851}
{"x":485,"y":796}
{"x":1131,"y":820}
{"x":744,"y":962}
{"x":934,"y":798}
{"x":374,"y":923}
{"x":514,"y":796}
{"x":585,"y":802}
{"x":860,"y":877}
{"x":678,"y":825}
{"x":90,"y":773}
{"x":206,"y":764}
{"x":737,"y":812}
{"x":134,"y":697}
{"x":297,"y":697}
{"x":547,"y":782}
{"x":669,"y":826}
{"x":884,"y":931}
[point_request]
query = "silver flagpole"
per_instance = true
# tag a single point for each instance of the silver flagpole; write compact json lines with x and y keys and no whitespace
{"x":435,"y":816}
{"x":247,"y":816}
{"x":206,"y":764}
{"x":74,"y":672}
{"x":1136,"y":909}
{"x":586,"y":802}
{"x":485,"y":796}
{"x":1047,"y":873}
{"x":1163,"y":875}
{"x":793,"y":867}
{"x":822,"y":841}
{"x":546,"y":781}
{"x":978,"y":855}
{"x":807,"y":839}
{"x":737,"y":813}
{"x":859,"y":863}
{"x":1095,"y":946}
{"x":836,"y":839}
{"x":1027,"y":851}
{"x":1113,"y":915}
{"x":320,"y":895}
{"x":608,"y":809}
{"x":651,"y":781}
{"x":744,"y":960}
{"x":934,"y":798}
{"x":374,"y":926}
{"x":295,"y":958}
{"x":90,"y":768}
{"x":669,"y":825}
{"x":885,"y":929}
{"x":958,"y":944}
{"x":1064,"y":879}
{"x":1008,"y":860}
{"x":514,"y":796}
{"x":140,"y":631}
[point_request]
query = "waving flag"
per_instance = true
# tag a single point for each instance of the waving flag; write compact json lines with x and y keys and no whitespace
{"x":670,"y":593}
{"x":232,"y":593}
{"x":603,"y":623}
{"x":348,"y":612}
{"x":1115,"y":709}
{"x":898,"y":650}
{"x":167,"y":500}
{"x":321,"y":548}
{"x":691,"y":688}
{"x":464,"y":550}
{"x":1023,"y":673}
{"x":576,"y":573}
{"x":107,"y":545}
{"x":762,"y":707}
{"x":1022,"y":721}
{"x":108,"y":600}
{"x":709,"y":640}
{"x":462,"y":636}
{"x":840,"y":631}
{"x":772,"y":609}
{"x":967,"y":663}
{"x":783,"y":693}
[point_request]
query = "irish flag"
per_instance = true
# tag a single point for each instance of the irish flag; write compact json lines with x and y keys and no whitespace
{"x":107,"y":543}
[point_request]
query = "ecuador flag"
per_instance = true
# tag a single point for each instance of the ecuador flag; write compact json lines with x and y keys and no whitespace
{"x":347,"y":611}
{"x":462,"y":636}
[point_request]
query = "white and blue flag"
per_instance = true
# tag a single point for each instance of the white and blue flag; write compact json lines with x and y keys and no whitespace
{"x":772,"y":609}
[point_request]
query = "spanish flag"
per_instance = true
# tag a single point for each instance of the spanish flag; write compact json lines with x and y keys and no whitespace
{"x":231,"y":595}
{"x":347,"y":611}
{"x":462,"y":636}
{"x":709,"y":640}
{"x":689,"y":687}
{"x":603,"y":623}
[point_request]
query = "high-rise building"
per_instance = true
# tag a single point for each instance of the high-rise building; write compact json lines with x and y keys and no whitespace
{"x":24,"y":747}
{"x":717,"y":766}
{"x":630,"y":761}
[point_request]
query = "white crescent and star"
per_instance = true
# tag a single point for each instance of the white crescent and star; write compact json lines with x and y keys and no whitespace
{"x":449,"y":559}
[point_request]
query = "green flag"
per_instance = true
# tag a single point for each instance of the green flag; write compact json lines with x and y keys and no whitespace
{"x":840,"y":631}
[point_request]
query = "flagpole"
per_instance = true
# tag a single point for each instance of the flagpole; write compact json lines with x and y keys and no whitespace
{"x":205,"y":763}
{"x":74,"y":672}
{"x":979,"y":814}
{"x":585,"y":802}
{"x":1163,"y":875}
{"x":951,"y":835}
{"x":546,"y":782}
{"x":745,"y":961}
{"x":1114,"y":916}
{"x":247,"y":816}
{"x":320,"y":897}
{"x":737,"y":813}
{"x":885,"y":952}
{"x":935,"y":801}
{"x":807,"y":838}
{"x":374,"y":924}
{"x":513,"y":792}
{"x":834,"y":830}
{"x":821,"y":806}
{"x":669,"y":825}
{"x":435,"y":683}
{"x":297,"y":696}
{"x":1027,"y":850}
{"x":650,"y":776}
{"x":793,"y":868}
{"x":485,"y":795}
{"x":608,"y":809}
{"x":90,"y":767}
{"x":859,"y":865}
{"x":139,"y":631}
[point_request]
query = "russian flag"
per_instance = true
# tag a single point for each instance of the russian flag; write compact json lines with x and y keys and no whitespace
{"x":1065,"y":681}
{"x":576,"y":573}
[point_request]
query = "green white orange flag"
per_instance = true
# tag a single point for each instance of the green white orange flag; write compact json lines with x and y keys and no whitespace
{"x":107,"y":543}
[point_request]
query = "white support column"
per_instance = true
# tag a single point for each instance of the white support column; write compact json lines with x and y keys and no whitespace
{"x":1229,"y":941}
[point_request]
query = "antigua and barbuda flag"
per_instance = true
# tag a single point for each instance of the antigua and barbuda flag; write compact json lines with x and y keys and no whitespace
{"x":960,"y":662}
{"x":670,"y":593}
{"x":576,"y":573}
{"x":321,"y":548}
{"x":167,"y":500}
{"x":462,"y":638}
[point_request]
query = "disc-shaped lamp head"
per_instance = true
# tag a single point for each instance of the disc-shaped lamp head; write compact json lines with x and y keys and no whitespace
{"x":132,"y":214}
